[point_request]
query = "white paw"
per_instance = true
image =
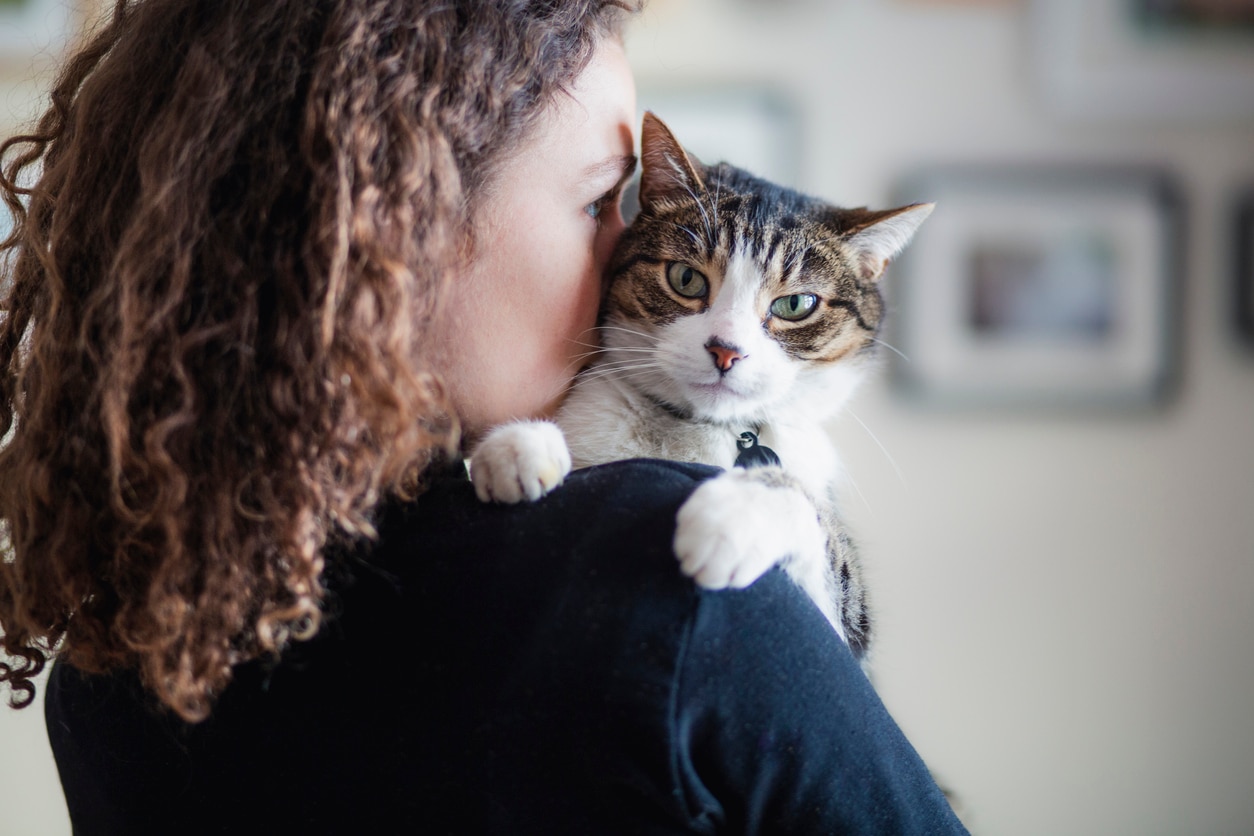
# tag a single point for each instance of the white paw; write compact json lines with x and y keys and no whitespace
{"x":732,"y":529}
{"x":519,"y":461}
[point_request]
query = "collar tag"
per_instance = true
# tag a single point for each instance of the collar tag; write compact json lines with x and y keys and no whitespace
{"x":753,"y":454}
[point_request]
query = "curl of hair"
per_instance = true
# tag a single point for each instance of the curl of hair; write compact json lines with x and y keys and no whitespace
{"x":216,"y":289}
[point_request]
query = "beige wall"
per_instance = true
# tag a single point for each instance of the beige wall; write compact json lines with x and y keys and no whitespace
{"x":1066,"y":604}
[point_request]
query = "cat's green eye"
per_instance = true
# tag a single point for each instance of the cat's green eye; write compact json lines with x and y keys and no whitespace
{"x":795,"y":307}
{"x":686,"y":281}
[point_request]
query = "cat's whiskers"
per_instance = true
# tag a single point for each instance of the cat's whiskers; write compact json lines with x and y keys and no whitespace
{"x":892,"y":348}
{"x":651,"y":339}
{"x":641,"y":356}
{"x":879,"y":444}
{"x":797,"y":259}
{"x":718,"y":190}
{"x":598,"y":349}
{"x":624,"y":329}
{"x":585,"y":355}
{"x":609,"y":361}
{"x":854,"y":484}
{"x":712,"y":241}
{"x":597,"y":372}
{"x":584,"y":359}
{"x":633,"y":374}
{"x":696,"y":239}
{"x":624,"y":368}
{"x":611,"y":365}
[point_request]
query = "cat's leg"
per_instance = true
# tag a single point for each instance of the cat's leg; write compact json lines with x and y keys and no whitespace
{"x":739,"y":524}
{"x":523,"y":460}
{"x":844,"y":568}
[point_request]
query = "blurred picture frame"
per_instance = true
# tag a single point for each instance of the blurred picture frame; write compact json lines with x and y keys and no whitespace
{"x":1243,"y":274}
{"x":1045,"y":287}
{"x":1147,"y":60}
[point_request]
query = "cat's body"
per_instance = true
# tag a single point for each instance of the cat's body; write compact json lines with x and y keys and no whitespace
{"x":733,"y":306}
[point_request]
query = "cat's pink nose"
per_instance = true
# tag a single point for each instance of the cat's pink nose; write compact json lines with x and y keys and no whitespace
{"x":725,"y":356}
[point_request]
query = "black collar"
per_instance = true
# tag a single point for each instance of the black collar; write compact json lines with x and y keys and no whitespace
{"x":752,"y":453}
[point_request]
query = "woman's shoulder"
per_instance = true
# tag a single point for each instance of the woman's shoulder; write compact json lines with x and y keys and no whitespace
{"x":607,"y":509}
{"x":645,"y":483}
{"x":606,"y":521}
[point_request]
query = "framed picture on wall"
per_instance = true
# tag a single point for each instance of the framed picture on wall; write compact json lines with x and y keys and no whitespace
{"x":1041,"y":287}
{"x":1146,"y":59}
{"x":1243,"y":236}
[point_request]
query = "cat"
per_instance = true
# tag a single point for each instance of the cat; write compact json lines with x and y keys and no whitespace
{"x":739,"y":316}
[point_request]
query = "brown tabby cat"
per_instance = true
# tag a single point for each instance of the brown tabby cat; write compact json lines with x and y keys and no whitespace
{"x":737,"y":310}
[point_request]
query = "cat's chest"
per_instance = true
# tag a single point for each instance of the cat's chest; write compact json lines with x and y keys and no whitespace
{"x":606,"y":422}
{"x":682,"y":441}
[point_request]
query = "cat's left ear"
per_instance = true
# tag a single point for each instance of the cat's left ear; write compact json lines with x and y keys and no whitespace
{"x":877,"y":237}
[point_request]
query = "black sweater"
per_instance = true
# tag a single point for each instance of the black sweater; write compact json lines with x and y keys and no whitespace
{"x":541,"y":668}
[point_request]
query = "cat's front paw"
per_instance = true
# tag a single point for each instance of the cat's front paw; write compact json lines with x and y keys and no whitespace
{"x":734,"y":527}
{"x":519,"y":461}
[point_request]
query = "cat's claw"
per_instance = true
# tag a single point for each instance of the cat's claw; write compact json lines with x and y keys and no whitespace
{"x":519,"y":461}
{"x":733,"y":528}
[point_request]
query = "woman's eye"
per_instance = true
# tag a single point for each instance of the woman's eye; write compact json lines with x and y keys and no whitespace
{"x":596,"y":207}
{"x":686,"y":281}
{"x":795,"y":307}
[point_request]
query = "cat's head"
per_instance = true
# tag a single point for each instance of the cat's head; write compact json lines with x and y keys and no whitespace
{"x":731,"y":298}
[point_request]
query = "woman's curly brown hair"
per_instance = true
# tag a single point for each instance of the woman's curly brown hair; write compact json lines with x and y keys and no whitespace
{"x":216,"y":288}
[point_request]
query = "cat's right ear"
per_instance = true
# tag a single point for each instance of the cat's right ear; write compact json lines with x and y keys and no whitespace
{"x":666,"y":171}
{"x":877,"y":237}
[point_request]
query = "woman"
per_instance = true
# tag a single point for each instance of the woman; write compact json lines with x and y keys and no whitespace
{"x":281,"y":259}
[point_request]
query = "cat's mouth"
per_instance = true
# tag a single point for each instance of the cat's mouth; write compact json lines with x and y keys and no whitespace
{"x":719,"y":393}
{"x":718,"y":387}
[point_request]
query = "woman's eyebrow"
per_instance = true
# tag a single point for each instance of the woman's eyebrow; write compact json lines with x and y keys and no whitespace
{"x":624,"y":165}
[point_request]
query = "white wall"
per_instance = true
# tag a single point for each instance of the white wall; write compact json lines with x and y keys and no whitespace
{"x":31,"y":803}
{"x":1066,"y":604}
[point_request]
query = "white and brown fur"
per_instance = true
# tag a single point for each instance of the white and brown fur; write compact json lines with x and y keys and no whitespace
{"x":682,"y":376}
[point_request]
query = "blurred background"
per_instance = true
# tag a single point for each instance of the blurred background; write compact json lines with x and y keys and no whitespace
{"x":1056,"y":507}
{"x":1058,"y":519}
